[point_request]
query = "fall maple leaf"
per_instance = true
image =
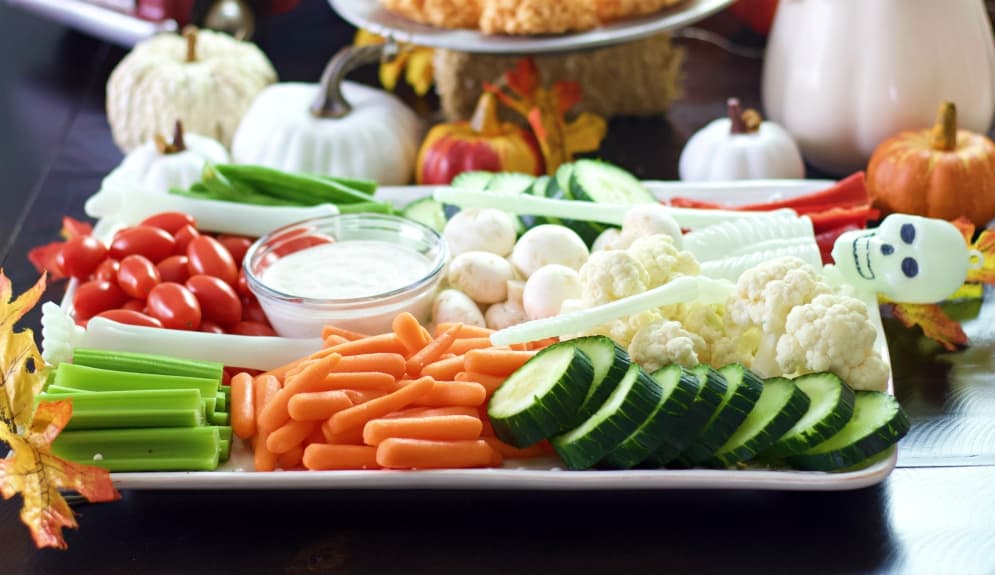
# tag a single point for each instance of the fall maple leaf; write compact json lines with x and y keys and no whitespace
{"x":545,"y":110}
{"x":415,"y":62}
{"x":45,"y":258}
{"x":934,"y":322}
{"x":30,"y":468}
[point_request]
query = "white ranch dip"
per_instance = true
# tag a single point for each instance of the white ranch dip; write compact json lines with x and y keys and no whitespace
{"x":347,"y":270}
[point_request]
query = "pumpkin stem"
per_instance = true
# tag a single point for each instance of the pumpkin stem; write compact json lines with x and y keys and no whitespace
{"x":179,"y":145}
{"x":330,"y":103}
{"x":743,"y":121}
{"x":485,"y":117}
{"x":190,"y":34}
{"x":944,"y":136}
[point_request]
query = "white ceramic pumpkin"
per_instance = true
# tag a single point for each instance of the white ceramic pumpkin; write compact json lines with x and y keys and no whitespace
{"x":158,"y":165}
{"x":842,"y":76}
{"x":206,"y":78}
{"x":334,"y":128}
{"x":740,"y":146}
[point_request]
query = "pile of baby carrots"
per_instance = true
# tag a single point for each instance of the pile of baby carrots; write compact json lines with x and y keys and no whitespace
{"x":399,"y":400}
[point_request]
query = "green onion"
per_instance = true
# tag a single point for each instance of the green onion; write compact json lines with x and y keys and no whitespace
{"x":147,"y":363}
{"x":307,"y":190}
{"x":155,"y":449}
{"x":368,"y":187}
{"x":93,"y":379}
{"x":145,"y":408}
{"x":366,"y":207}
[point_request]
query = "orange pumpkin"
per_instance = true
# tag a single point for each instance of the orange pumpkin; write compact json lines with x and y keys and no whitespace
{"x":483,"y":143}
{"x":940,"y":173}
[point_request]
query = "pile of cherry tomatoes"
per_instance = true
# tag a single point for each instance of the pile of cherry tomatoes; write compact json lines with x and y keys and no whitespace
{"x":165,"y":273}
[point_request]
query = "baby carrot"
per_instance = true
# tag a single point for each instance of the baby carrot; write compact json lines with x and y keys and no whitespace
{"x":496,"y":361}
{"x":349,"y":437}
{"x":358,"y":415}
{"x":341,"y":332}
{"x":291,"y":459}
{"x":317,"y":436}
{"x":334,"y":340}
{"x":276,"y":413}
{"x":392,"y":363}
{"x":242,"y":408}
{"x":433,"y":412}
{"x":439,"y":428}
{"x":463,"y":345}
{"x":464,"y":330}
{"x":511,"y":452}
{"x":401,"y":453}
{"x":432,"y":351}
{"x":446,"y":368}
{"x":317,"y":406}
{"x":453,"y":393}
{"x":288,"y":435}
{"x":281,"y":372}
{"x":352,"y":380}
{"x":542,"y":343}
{"x":319,"y":457}
{"x":383,"y":343}
{"x":357,"y":396}
{"x":411,"y":333}
{"x":490,"y":382}
{"x":264,"y":388}
{"x":263,"y":459}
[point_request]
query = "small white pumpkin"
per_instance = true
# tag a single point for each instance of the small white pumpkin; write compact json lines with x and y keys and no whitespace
{"x":334,"y":128}
{"x":207,"y":78}
{"x":159,"y":165}
{"x":740,"y":147}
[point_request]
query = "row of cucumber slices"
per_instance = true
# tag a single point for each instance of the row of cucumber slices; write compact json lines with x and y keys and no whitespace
{"x":583,"y":180}
{"x":600,"y":409}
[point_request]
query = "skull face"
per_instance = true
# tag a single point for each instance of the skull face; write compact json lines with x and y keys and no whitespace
{"x":907,"y":259}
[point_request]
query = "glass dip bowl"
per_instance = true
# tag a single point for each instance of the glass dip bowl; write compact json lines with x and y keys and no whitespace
{"x":374,"y":267}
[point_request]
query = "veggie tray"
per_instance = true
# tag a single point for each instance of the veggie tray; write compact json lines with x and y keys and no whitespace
{"x":543,"y":473}
{"x":370,"y":15}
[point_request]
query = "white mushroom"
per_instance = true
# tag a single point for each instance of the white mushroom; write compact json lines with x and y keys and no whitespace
{"x":486,"y":230}
{"x":505,"y":314}
{"x":515,"y":290}
{"x":647,"y":220}
{"x":548,"y":288}
{"x":607,"y":240}
{"x":454,"y":306}
{"x":482,"y":276}
{"x":548,"y":244}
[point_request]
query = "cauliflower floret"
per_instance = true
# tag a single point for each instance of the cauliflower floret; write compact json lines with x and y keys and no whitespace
{"x":611,"y":275}
{"x":662,"y":258}
{"x":833,"y":333}
{"x":725,"y":341}
{"x":664,"y":342}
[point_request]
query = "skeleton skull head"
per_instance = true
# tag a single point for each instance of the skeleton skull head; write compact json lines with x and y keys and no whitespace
{"x":907,"y":259}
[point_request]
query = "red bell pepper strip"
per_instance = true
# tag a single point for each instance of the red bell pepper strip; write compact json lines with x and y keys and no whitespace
{"x":848,"y":192}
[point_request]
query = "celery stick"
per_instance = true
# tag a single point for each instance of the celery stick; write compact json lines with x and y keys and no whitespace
{"x":221,"y":402}
{"x":57,"y":389}
{"x":146,"y":363}
{"x":145,"y":408}
{"x":156,"y":449}
{"x":96,"y":379}
{"x":218,"y":418}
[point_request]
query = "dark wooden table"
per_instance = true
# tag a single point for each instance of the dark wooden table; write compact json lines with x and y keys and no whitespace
{"x":934,"y":514}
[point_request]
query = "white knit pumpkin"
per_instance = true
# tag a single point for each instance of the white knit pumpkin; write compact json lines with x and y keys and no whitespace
{"x":205,"y":78}
{"x":378,"y":139}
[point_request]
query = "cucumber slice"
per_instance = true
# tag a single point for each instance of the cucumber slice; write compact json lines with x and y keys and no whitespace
{"x":678,"y":391}
{"x":476,"y":181}
{"x":830,"y":409}
{"x":426,"y":211}
{"x":743,"y":388}
{"x":542,"y":397}
{"x":781,"y":405}
{"x":610,"y":363}
{"x":562,"y":181}
{"x":559,"y":188}
{"x":878,"y":422}
{"x":539,"y":188}
{"x":628,"y":406}
{"x":513,"y":184}
{"x":711,"y":391}
{"x":605,"y":183}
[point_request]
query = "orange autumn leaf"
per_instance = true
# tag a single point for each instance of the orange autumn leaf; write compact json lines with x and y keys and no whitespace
{"x":31,"y":469}
{"x":982,"y":270}
{"x":415,"y":62}
{"x":934,"y":322}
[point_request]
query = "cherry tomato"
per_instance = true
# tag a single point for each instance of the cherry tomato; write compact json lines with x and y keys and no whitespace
{"x":252,"y":328}
{"x":209,"y":257}
{"x":170,"y":221}
{"x":210,"y":327}
{"x":134,"y":305}
{"x":252,"y":311}
{"x":242,"y":285}
{"x":137,"y":276}
{"x":218,"y":301}
{"x":183,"y":237}
{"x":81,"y":255}
{"x":174,"y":306}
{"x":107,"y":270}
{"x":236,"y":246}
{"x":174,"y":269}
{"x":94,"y":297}
{"x":130,"y":317}
{"x":153,"y":243}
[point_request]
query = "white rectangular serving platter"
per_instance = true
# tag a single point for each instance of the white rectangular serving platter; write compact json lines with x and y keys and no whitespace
{"x":543,"y":474}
